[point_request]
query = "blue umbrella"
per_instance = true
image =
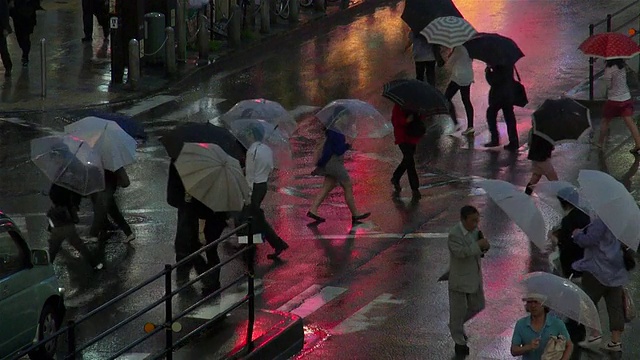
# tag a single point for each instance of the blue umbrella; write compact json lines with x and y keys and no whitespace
{"x":127,"y":123}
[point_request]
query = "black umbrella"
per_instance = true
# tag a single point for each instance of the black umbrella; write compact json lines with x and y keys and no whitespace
{"x":174,"y":139}
{"x":417,"y":96}
{"x":419,"y":13}
{"x":561,"y":119}
{"x":493,"y":49}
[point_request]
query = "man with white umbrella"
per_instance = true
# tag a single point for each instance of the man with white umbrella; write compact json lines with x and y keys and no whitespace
{"x":466,"y":293}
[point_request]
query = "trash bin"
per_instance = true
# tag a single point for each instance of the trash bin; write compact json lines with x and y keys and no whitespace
{"x":154,"y":38}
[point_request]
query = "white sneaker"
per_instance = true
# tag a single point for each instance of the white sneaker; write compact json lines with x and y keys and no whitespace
{"x":131,"y":237}
{"x":611,"y":346}
{"x":92,"y":239}
{"x":100,"y":266}
{"x":469,"y":131}
{"x":591,"y":341}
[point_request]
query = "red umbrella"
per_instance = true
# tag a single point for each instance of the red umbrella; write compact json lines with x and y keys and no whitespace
{"x":610,"y":46}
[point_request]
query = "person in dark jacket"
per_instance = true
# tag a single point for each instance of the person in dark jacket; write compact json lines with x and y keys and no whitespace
{"x":331,"y":166}
{"x":105,"y":205}
{"x":5,"y":30}
{"x":100,"y":10}
{"x":63,"y":217}
{"x":501,"y":97}
{"x":407,"y":143}
{"x":540,"y":155}
{"x":23,"y":13}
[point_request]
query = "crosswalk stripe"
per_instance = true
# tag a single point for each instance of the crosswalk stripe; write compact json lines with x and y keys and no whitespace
{"x":147,"y":105}
{"x":315,"y":302}
{"x":128,"y":356}
{"x":208,"y":312}
{"x":362,"y":320}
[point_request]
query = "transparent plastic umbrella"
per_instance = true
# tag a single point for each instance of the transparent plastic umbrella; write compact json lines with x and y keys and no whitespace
{"x":261,"y":109}
{"x":70,"y":162}
{"x":613,"y":204}
{"x":248,"y":131}
{"x":114,"y":145}
{"x":519,"y":207}
{"x":354,"y":118}
{"x":564,"y":297}
{"x":212,"y":176}
{"x":549,"y":192}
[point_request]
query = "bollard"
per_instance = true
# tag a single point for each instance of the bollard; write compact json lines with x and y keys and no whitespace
{"x":170,"y":49}
{"x":234,"y":28}
{"x":181,"y":30}
{"x":133,"y":75}
{"x":43,"y":67}
{"x":294,"y":11}
{"x":203,"y":41}
{"x":265,"y":17}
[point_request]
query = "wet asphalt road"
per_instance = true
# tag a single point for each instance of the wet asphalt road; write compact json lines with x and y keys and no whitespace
{"x":373,"y":288}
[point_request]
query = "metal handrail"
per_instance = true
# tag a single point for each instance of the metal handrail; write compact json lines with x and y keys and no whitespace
{"x":608,"y":21}
{"x":170,"y":346}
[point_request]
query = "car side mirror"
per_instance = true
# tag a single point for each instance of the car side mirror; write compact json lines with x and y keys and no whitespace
{"x":40,"y":257}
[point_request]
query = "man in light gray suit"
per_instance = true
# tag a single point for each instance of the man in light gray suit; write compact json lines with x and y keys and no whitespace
{"x":466,"y":294}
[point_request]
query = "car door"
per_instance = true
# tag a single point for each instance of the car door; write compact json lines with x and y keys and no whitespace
{"x":16,"y":294}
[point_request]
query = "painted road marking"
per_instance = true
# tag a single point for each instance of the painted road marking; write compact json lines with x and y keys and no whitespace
{"x":362,"y":320}
{"x":310,"y":305}
{"x":298,"y":299}
{"x":208,"y":312}
{"x":199,"y":106}
{"x":147,"y":105}
{"x":129,"y":356}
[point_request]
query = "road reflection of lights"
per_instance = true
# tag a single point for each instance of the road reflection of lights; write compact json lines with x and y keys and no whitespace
{"x":314,"y":338}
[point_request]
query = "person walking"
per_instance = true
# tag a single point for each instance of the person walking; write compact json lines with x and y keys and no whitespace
{"x":423,"y":56}
{"x":466,"y":293}
{"x":99,"y":9}
{"x":331,"y":165}
{"x":603,"y":275}
{"x":105,"y":205}
{"x":619,"y":102}
{"x":5,"y":30}
{"x":63,"y":217}
{"x":460,"y":81}
{"x":501,"y":97}
{"x":259,"y":165}
{"x":23,"y":13}
{"x":540,"y":155}
{"x":407,"y":142}
{"x":532,"y":333}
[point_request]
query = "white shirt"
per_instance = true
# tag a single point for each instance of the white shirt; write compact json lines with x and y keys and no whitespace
{"x":461,"y":66}
{"x":259,"y":163}
{"x":616,"y":80}
{"x":422,"y":50}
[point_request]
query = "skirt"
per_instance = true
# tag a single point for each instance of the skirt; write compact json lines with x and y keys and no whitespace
{"x":613,"y":109}
{"x":334,"y":169}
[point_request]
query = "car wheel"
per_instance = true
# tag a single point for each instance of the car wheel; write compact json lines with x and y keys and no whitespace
{"x":47,"y":326}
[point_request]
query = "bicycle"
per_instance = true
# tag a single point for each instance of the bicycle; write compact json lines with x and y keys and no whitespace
{"x":281,"y":7}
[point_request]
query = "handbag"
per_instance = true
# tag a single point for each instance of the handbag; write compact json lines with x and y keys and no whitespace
{"x":520,"y":98}
{"x":629,"y":307}
{"x":629,"y":258}
{"x":555,"y":348}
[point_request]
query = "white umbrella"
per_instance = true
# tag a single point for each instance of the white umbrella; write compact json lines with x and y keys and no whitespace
{"x":449,"y":31}
{"x":613,"y":204}
{"x":549,"y":192}
{"x":115,"y":147}
{"x":354,"y":118}
{"x":564,"y":297}
{"x":247,"y":131}
{"x":262,"y":109}
{"x":212,"y":176}
{"x":519,"y":207}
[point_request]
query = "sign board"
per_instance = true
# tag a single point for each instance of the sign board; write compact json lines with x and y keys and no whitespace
{"x":141,"y":42}
{"x":112,"y":6}
{"x":114,"y":22}
{"x":173,"y":17}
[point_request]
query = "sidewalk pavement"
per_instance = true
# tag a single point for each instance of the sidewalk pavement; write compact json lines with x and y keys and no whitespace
{"x":78,"y":74}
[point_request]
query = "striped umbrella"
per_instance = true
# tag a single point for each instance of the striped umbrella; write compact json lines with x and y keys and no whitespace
{"x":449,"y":31}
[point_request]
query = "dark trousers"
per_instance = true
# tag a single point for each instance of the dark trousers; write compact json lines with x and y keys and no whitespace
{"x":509,"y":119}
{"x":213,"y":228}
{"x":104,"y":205}
{"x":23,"y":26}
{"x":69,"y":233}
{"x":91,"y":8}
{"x":428,"y":68}
{"x":465,"y":94}
{"x":259,"y":219}
{"x":4,"y":54}
{"x":408,"y":165}
{"x":187,"y":242}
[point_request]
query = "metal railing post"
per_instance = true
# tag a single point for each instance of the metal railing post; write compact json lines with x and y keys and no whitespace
{"x":203,"y":41}
{"x":168,"y":313}
{"x":43,"y":67}
{"x":133,"y":75}
{"x":591,"y":61}
{"x":181,"y":30}
{"x":250,"y":286}
{"x":71,"y":340}
{"x":265,"y":16}
{"x":294,"y":11}
{"x":170,"y":51}
{"x":609,"y":25}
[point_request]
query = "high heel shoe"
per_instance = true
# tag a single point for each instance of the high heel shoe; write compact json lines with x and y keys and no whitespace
{"x":357,"y":218}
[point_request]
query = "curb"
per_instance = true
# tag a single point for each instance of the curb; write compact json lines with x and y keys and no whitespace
{"x":225,"y":57}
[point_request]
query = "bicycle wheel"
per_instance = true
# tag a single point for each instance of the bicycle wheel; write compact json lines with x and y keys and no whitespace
{"x":282,"y":8}
{"x":306,"y":3}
